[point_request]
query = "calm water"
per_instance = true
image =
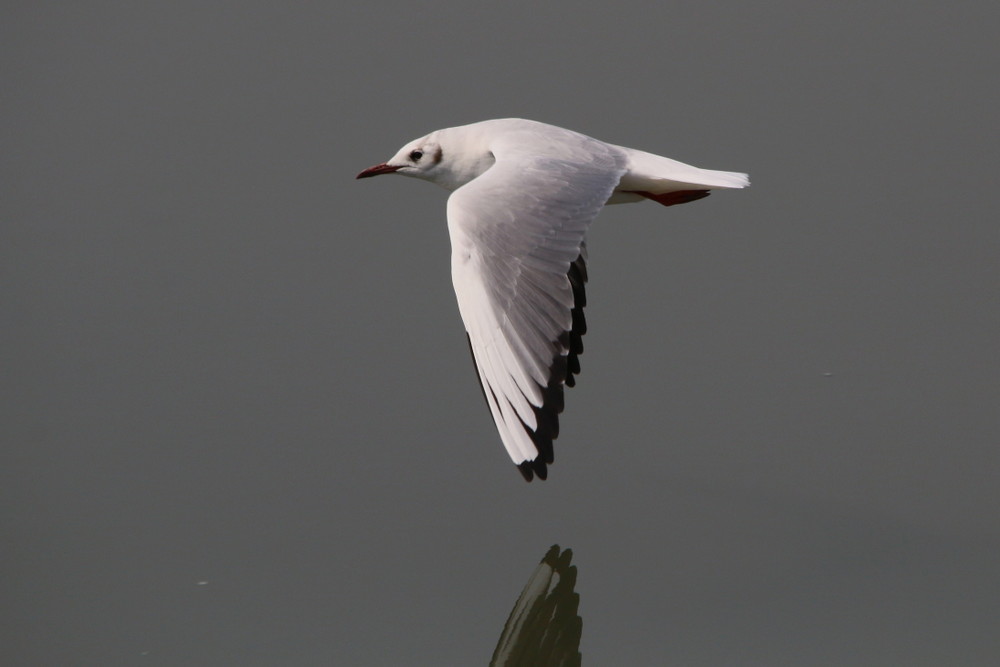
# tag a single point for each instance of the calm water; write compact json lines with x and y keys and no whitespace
{"x":240,"y":425}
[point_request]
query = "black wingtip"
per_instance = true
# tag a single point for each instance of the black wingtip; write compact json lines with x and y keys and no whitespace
{"x":529,"y":469}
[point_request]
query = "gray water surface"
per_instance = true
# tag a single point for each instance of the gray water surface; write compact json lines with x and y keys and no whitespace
{"x":239,"y":421}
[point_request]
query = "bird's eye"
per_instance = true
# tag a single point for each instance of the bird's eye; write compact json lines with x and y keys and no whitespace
{"x":416,"y":155}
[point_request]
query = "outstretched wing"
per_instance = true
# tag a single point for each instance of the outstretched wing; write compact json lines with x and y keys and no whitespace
{"x":518,"y":267}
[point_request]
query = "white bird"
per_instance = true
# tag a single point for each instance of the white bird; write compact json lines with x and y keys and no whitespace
{"x":523,"y":196}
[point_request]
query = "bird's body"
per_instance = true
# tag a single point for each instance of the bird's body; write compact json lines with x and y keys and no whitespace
{"x":523,"y":196}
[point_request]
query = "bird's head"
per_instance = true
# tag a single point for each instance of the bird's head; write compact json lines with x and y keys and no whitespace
{"x":420,"y":158}
{"x":449,"y":158}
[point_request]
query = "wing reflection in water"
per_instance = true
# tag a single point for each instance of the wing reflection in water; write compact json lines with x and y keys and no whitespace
{"x":544,"y":628}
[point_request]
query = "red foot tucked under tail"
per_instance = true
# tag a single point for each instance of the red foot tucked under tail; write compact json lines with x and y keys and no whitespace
{"x":676,"y":197}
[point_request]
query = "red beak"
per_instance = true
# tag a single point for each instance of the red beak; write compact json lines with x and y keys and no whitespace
{"x":378,"y":169}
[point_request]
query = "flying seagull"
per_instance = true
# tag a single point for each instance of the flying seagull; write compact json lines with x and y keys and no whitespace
{"x":523,"y":195}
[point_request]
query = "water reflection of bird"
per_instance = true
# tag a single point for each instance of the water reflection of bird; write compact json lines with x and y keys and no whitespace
{"x":544,"y":627}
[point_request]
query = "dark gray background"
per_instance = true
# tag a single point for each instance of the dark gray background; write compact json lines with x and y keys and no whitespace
{"x":240,"y":424}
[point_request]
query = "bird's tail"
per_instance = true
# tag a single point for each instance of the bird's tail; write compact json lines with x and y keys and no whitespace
{"x":670,"y":182}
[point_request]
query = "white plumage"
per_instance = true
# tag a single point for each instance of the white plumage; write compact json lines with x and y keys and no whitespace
{"x":523,"y":196}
